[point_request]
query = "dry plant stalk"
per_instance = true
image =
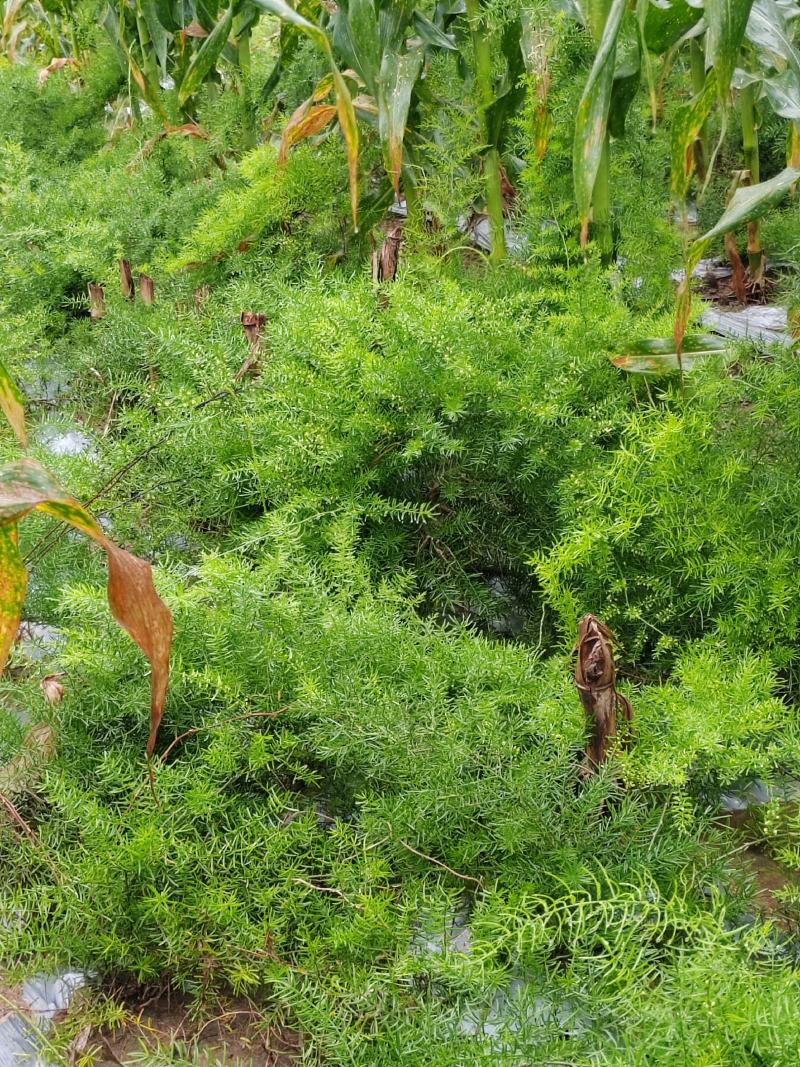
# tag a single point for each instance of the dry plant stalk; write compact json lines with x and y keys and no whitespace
{"x":97,"y":301}
{"x":386,"y":260}
{"x":253,"y":325}
{"x":147,"y":289}
{"x":596,"y":680}
{"x":126,"y":279}
{"x":738,"y":279}
{"x":22,"y":773}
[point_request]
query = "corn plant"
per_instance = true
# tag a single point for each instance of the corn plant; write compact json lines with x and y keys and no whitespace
{"x":174,"y":47}
{"x":28,"y":26}
{"x":608,"y":93}
{"x":497,"y":101}
{"x":367,"y":44}
{"x":24,"y":486}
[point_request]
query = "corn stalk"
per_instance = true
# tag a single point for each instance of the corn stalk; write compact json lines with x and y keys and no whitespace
{"x":173,"y":48}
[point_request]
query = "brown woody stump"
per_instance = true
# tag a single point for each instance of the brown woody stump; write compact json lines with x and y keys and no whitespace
{"x":386,"y":259}
{"x":147,"y":289}
{"x":97,"y":301}
{"x":126,"y":279}
{"x":595,"y":679}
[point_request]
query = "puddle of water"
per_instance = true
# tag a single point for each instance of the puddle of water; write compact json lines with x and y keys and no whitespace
{"x":479,"y":229}
{"x":706,"y":269}
{"x":454,"y":935}
{"x":513,"y":1010}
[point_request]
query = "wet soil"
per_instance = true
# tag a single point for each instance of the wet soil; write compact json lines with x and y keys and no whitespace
{"x":768,"y":878}
{"x":236,"y":1034}
{"x":717,"y":287}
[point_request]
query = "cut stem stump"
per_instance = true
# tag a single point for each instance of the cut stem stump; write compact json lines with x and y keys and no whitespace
{"x":147,"y":289}
{"x":126,"y":279}
{"x":97,"y":301}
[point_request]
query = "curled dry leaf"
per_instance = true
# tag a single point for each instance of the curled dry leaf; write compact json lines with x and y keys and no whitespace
{"x":595,"y":680}
{"x":78,"y":1045}
{"x":194,"y":29}
{"x":253,"y":324}
{"x":134,"y":602}
{"x":305,"y":122}
{"x":52,"y":689}
{"x":53,"y":66}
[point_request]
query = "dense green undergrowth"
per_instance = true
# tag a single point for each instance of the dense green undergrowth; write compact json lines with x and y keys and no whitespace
{"x":377,"y":552}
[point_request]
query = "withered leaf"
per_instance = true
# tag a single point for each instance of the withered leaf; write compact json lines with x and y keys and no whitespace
{"x":133,"y":599}
{"x":52,"y":689}
{"x":11,"y":405}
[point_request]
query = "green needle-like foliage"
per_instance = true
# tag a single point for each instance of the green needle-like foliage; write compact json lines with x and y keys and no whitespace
{"x":378,"y":525}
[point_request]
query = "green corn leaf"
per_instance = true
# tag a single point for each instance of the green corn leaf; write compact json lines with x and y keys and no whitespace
{"x":687,"y":123}
{"x":726,"y":22}
{"x":768,"y":30}
{"x":430,"y":34}
{"x":132,"y":597}
{"x":663,"y":25}
{"x":627,"y":76}
{"x":111,"y":25}
{"x":169,"y":14}
{"x":159,"y":37}
{"x":204,"y":58}
{"x":150,"y":91}
{"x":12,"y":405}
{"x":657,"y":355}
{"x":594,"y":13}
{"x":751,"y":202}
{"x":356,"y":38}
{"x":288,"y":14}
{"x":399,"y":73}
{"x":592,"y":118}
{"x":207,"y":13}
{"x":344,"y":102}
{"x":394,"y":21}
{"x":783,"y":93}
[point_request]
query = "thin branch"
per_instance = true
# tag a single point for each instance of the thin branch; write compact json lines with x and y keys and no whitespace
{"x":438,"y":863}
{"x":217,"y":725}
{"x":40,"y":549}
{"x":190,"y":733}
{"x":331,"y":890}
{"x":15,"y":817}
{"x":18,"y":823}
